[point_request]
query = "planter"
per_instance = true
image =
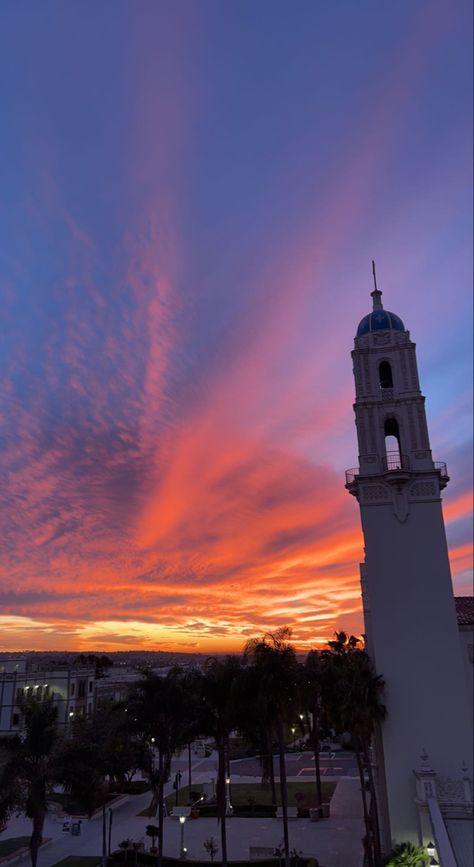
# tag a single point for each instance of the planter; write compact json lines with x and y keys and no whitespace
{"x":325,"y":811}
{"x":314,"y":814}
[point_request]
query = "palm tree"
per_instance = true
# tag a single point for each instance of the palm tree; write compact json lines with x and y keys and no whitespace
{"x":27,"y":777}
{"x":155,"y":710}
{"x":191,"y":724}
{"x":311,"y":687}
{"x":254,"y":727}
{"x":217,"y":688}
{"x":275,"y":661}
{"x":353,"y":699}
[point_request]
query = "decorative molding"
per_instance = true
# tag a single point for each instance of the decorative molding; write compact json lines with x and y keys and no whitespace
{"x":357,"y":376}
{"x":401,"y":338}
{"x":373,"y":445}
{"x":450,"y":790}
{"x":403,"y":366}
{"x":413,"y":368}
{"x":401,"y":508}
{"x":412,"y":428}
{"x":367,"y":377}
{"x":373,"y":493}
{"x":423,"y":489}
{"x":422,"y":456}
{"x":361,"y":430}
{"x":425,"y":443}
{"x":381,"y":338}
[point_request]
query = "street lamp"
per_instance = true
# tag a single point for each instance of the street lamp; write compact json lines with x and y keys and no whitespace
{"x":430,"y":848}
{"x":153,"y":754}
{"x":228,"y":805}
{"x":177,"y":781}
{"x":183,"y":850}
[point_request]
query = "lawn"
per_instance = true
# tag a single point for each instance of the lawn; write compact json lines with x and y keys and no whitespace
{"x":7,"y":847}
{"x":79,"y":861}
{"x":246,"y":794}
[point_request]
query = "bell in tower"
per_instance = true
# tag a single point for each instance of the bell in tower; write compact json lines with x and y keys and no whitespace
{"x":408,"y":602}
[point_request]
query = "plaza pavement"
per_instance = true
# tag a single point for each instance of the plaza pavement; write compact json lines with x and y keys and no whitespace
{"x":336,"y":842}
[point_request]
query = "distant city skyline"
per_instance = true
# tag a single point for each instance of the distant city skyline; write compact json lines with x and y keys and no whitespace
{"x":192,"y":197}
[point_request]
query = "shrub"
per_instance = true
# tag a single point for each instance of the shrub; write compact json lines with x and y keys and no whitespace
{"x":407,"y":855}
{"x":211,"y":848}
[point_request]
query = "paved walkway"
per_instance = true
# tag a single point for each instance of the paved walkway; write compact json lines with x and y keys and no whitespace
{"x":336,"y":842}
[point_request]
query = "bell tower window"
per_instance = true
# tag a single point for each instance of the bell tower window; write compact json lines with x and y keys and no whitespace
{"x":385,"y":375}
{"x":393,"y":453}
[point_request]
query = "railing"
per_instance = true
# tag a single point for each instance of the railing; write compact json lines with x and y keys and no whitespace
{"x":352,"y":474}
{"x":395,"y":461}
{"x":387,"y":393}
{"x":443,"y":470}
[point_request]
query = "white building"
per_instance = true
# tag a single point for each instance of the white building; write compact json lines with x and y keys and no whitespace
{"x":409,"y":609}
{"x":72,"y":690}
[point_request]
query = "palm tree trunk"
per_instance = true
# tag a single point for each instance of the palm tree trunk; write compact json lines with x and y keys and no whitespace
{"x":283,"y":792}
{"x":160,"y":807}
{"x":272,"y":778}
{"x":221,"y":798}
{"x":267,"y":762}
{"x":189,"y":767}
{"x":36,"y":837}
{"x":368,"y":829}
{"x":317,"y":765}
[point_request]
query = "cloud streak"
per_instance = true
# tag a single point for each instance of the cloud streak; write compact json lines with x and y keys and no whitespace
{"x":179,"y":303}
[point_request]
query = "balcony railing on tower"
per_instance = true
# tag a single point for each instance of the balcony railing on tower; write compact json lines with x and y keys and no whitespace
{"x":395,"y":461}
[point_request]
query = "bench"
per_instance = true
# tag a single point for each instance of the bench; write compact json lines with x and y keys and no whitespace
{"x":177,"y":812}
{"x":256,"y":852}
{"x":291,"y":812}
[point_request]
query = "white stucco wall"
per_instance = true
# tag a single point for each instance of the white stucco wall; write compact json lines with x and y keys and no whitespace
{"x":415,"y":645}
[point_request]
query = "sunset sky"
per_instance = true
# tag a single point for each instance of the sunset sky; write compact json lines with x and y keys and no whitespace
{"x":191,"y":195}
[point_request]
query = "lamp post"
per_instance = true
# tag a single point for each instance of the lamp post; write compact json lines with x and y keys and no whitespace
{"x":153,"y":755}
{"x":228,"y":805}
{"x":177,"y":781}
{"x":183,"y":850}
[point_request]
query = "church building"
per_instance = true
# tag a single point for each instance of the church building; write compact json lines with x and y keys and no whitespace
{"x":409,"y":608}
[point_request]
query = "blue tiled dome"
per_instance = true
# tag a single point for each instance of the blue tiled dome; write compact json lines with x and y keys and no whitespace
{"x":379,"y":320}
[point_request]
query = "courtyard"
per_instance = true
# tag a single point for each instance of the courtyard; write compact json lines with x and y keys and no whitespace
{"x":335,"y":842}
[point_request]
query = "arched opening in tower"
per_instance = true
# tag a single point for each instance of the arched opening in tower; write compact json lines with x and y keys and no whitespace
{"x":385,"y":375}
{"x":393,"y":452}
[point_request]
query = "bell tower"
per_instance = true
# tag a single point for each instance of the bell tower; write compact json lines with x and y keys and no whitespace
{"x":408,"y":602}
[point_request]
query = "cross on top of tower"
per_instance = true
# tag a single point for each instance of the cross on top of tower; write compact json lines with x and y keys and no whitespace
{"x":379,"y":319}
{"x":376,"y":293}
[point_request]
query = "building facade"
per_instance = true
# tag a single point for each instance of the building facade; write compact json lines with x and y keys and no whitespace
{"x":72,"y":690}
{"x":408,"y":602}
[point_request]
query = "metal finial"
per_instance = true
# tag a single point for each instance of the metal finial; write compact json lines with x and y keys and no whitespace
{"x":376,"y":293}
